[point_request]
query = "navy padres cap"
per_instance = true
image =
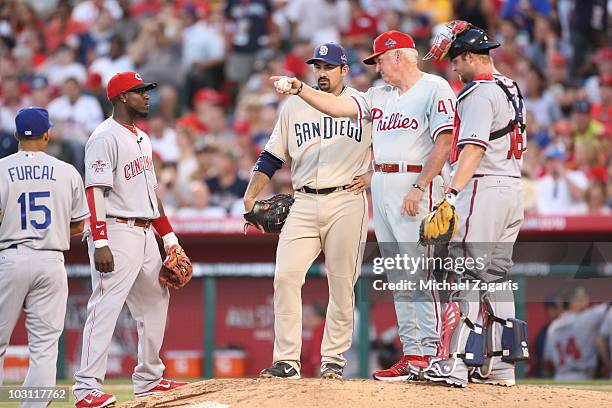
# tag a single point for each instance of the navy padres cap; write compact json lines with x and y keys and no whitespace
{"x":331,"y":53}
{"x":32,"y":122}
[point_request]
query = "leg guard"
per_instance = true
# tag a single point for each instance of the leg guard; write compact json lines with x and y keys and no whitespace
{"x":514,"y":346}
{"x":457,"y":325}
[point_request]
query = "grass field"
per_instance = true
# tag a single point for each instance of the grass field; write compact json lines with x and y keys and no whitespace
{"x":122,"y":388}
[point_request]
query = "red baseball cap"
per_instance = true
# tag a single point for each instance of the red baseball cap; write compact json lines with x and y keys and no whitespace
{"x":127,"y":81}
{"x":389,"y":40}
{"x":209,"y":95}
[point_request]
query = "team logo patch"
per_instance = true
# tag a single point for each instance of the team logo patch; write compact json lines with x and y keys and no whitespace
{"x":137,"y":76}
{"x":390,"y":43}
{"x":99,"y":166}
{"x":323,"y":50}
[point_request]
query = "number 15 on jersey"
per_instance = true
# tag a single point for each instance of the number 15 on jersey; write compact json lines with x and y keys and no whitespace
{"x":30,"y":208}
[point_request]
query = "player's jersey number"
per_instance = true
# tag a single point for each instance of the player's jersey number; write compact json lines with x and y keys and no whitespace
{"x":569,"y":350}
{"x":29,"y":206}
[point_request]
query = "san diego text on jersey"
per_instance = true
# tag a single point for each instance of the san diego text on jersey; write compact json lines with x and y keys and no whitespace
{"x":327,"y":128}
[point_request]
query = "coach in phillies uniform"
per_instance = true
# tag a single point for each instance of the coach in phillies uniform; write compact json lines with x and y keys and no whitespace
{"x":412,"y":119}
{"x":329,"y":157}
{"x":125,"y":262}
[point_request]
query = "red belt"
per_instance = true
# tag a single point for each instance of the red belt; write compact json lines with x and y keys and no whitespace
{"x":395,"y":168}
{"x":138,"y":222}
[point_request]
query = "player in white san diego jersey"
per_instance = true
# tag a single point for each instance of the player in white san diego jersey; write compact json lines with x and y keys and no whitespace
{"x":328,"y":157}
{"x":486,"y":190}
{"x":412,"y":119}
{"x":42,"y":203}
{"x":571,"y":341}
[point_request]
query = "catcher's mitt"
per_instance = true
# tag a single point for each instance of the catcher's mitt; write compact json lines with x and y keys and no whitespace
{"x":270,"y":214}
{"x":439,"y":226}
{"x":176,"y":270}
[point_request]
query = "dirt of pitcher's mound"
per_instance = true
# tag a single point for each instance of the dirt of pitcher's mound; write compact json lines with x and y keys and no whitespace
{"x":307,"y":393}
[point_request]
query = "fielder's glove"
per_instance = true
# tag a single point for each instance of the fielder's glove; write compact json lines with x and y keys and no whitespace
{"x":176,"y":270}
{"x":270,"y":214}
{"x":439,"y":226}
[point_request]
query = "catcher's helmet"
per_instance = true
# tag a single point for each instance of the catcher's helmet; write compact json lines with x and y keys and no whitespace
{"x":474,"y":40}
{"x":458,"y":37}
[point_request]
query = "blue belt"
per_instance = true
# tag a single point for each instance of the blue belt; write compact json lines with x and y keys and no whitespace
{"x":14,"y":246}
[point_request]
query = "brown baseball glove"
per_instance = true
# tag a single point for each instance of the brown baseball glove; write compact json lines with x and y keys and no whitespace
{"x":439,"y":226}
{"x":176,"y":270}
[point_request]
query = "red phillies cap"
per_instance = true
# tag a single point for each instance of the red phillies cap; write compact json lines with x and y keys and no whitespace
{"x":127,"y":81}
{"x":389,"y":40}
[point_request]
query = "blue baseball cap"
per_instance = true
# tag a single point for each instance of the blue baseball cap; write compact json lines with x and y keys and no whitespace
{"x":32,"y":122}
{"x":555,"y":153}
{"x":330,"y":53}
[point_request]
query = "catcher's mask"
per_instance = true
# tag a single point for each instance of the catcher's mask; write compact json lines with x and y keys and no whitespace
{"x":458,"y":37}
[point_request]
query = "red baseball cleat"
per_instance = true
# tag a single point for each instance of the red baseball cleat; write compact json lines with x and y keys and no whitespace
{"x":96,"y":399}
{"x":399,"y":371}
{"x":163,"y":386}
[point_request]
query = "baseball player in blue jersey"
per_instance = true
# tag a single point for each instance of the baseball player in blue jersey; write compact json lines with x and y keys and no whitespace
{"x":42,"y":203}
{"x":486,"y":191}
{"x":412,"y":119}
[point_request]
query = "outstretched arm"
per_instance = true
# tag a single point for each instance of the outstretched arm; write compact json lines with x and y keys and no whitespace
{"x":328,"y":103}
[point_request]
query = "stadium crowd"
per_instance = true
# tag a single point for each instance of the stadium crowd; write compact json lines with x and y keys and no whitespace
{"x":215,"y":106}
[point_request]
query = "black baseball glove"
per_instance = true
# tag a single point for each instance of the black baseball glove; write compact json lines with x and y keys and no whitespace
{"x":270,"y":214}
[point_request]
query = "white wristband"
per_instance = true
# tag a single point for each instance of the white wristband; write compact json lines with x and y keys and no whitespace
{"x":100,"y":243}
{"x":170,"y":240}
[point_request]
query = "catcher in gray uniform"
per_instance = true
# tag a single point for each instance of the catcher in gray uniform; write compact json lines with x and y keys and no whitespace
{"x":486,"y":193}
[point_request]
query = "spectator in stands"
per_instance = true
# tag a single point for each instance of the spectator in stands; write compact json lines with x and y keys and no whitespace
{"x":560,"y":191}
{"x":204,"y":161}
{"x":75,"y":113}
{"x":249,"y":30}
{"x":163,"y":139}
{"x":589,"y":29}
{"x":602,"y":111}
{"x":596,"y":199}
{"x":88,"y":11}
{"x":114,"y":62}
{"x":199,"y":203}
{"x":319,"y":21}
{"x":198,"y":121}
{"x":62,"y":65}
{"x":40,"y":92}
{"x":226,"y":186}
{"x":362,"y":27}
{"x":75,"y":116}
{"x":587,"y":129}
{"x":61,"y":26}
{"x":543,"y":44}
{"x":538,"y":101}
{"x":11,"y":100}
{"x":603,"y":63}
{"x":203,"y":54}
